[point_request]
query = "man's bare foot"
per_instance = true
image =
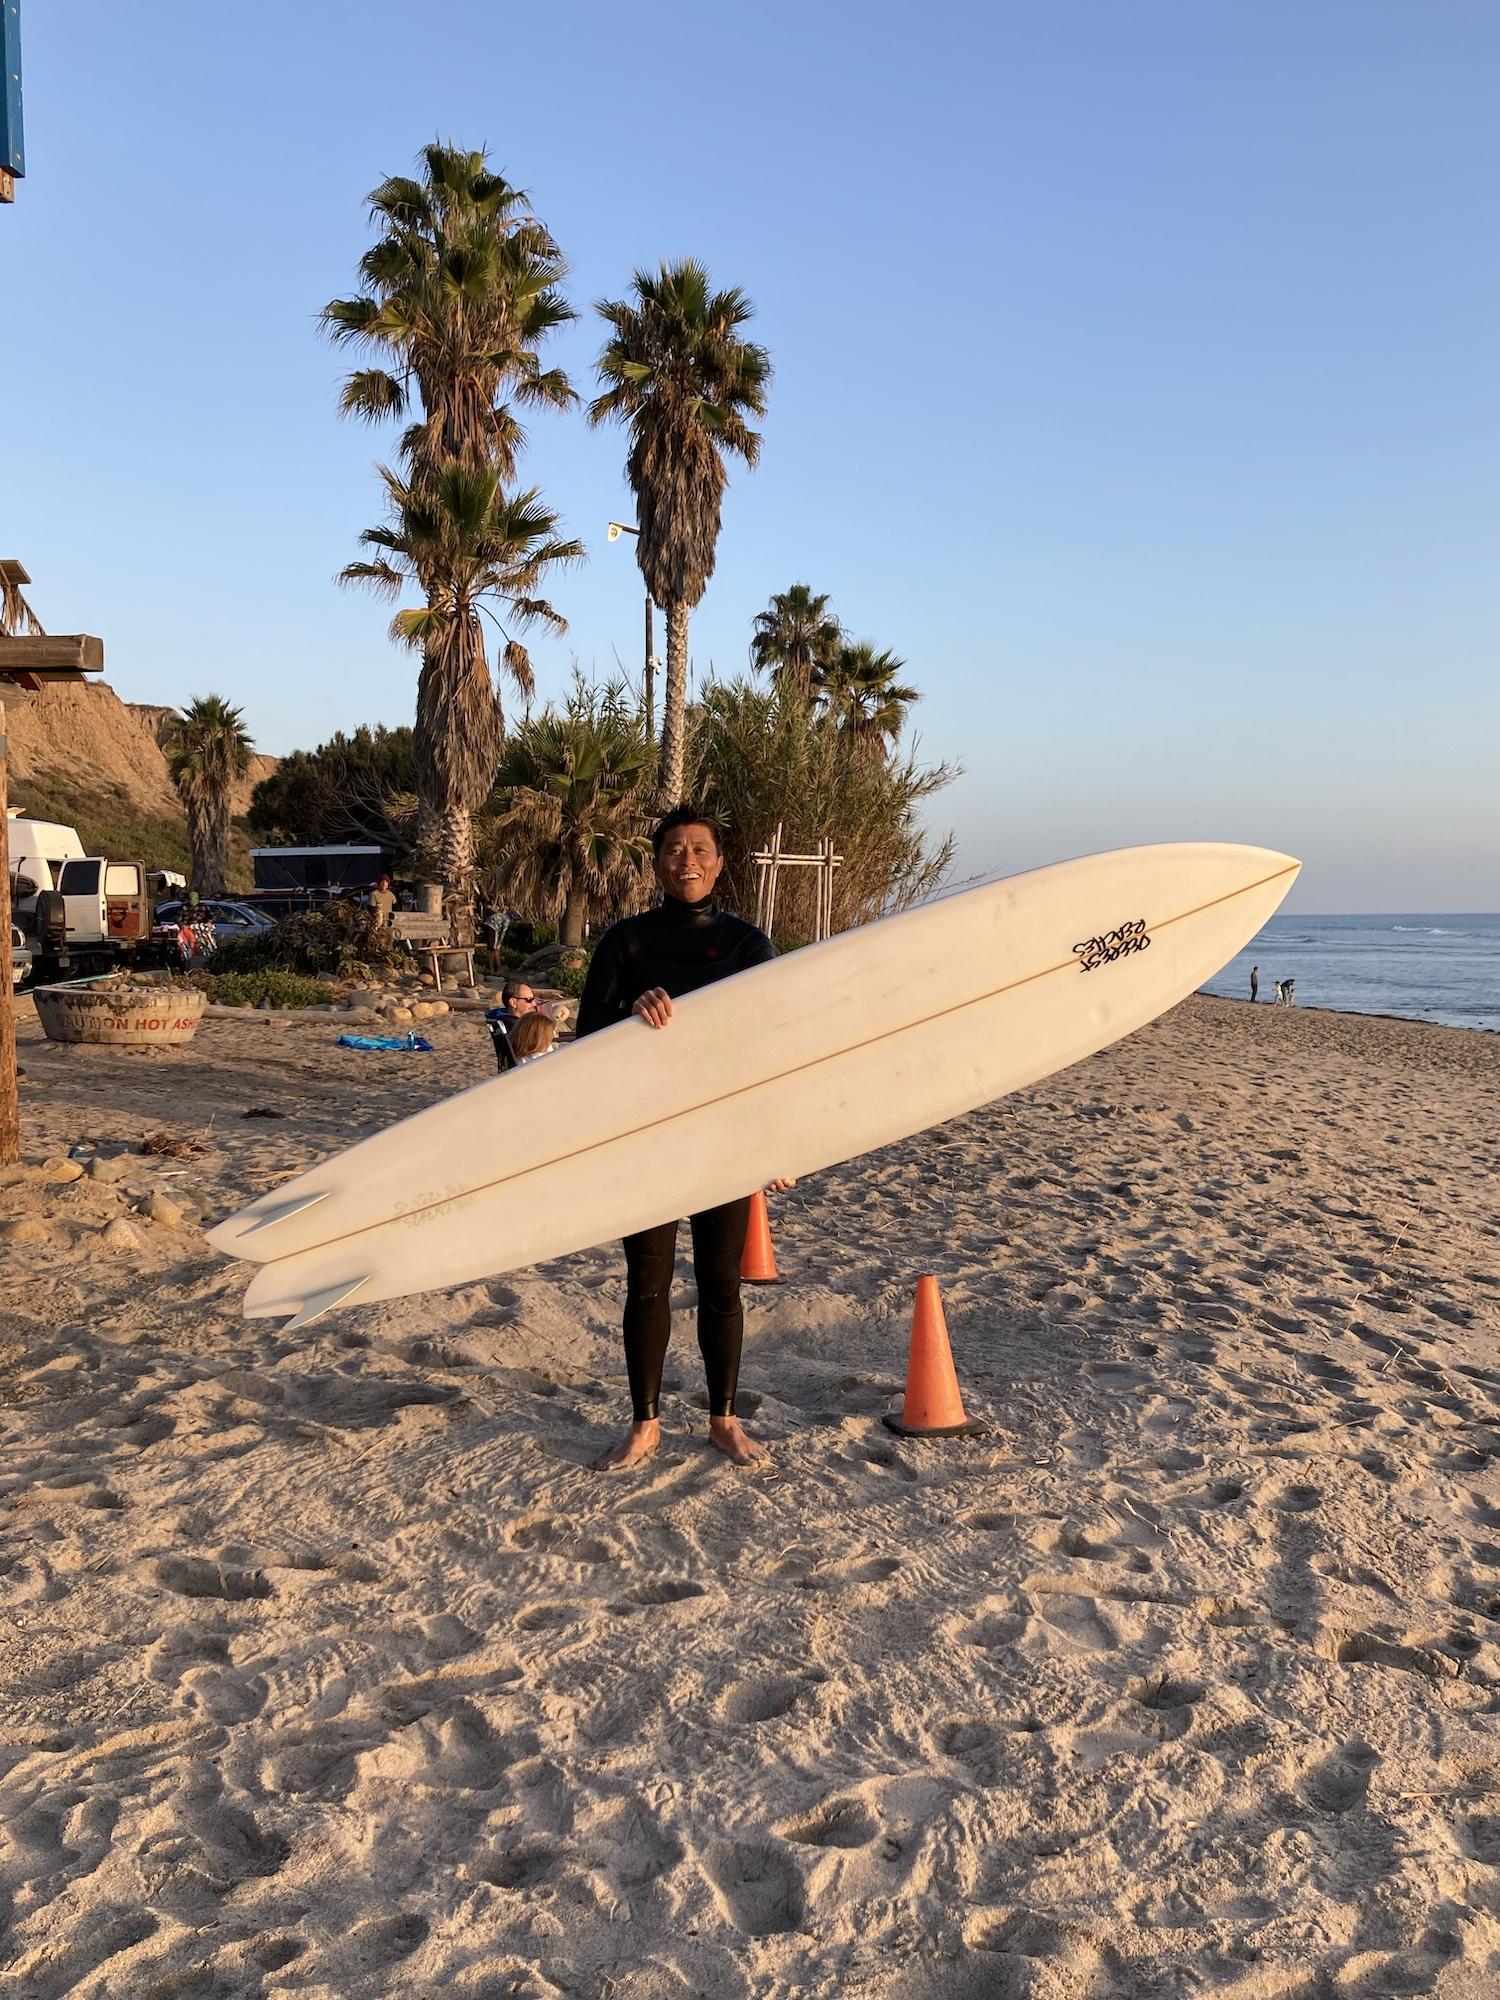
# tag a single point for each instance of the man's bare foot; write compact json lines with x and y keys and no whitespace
{"x":728,"y":1434}
{"x":638,"y":1443}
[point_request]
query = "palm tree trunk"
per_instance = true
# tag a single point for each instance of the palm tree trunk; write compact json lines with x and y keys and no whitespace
{"x":575,"y":908}
{"x":208,"y":837}
{"x":674,"y":704}
{"x":445,"y":853}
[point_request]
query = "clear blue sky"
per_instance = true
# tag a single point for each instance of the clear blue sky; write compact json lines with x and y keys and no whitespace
{"x":1137,"y":377}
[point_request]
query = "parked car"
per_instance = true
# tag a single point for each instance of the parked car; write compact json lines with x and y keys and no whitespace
{"x":20,"y":955}
{"x":230,"y":920}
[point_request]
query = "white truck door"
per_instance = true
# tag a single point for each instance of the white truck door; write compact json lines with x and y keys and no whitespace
{"x":81,"y":885}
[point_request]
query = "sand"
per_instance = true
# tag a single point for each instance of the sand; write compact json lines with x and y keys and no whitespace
{"x":329,"y":1669}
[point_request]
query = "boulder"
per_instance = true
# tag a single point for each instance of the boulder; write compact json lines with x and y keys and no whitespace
{"x":108,"y":1169}
{"x":158,"y":1209}
{"x":118,"y":1235}
{"x":26,"y":1229}
{"x":63,"y":1170}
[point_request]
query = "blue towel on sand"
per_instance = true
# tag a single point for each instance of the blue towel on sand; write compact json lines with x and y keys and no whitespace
{"x":402,"y":1042}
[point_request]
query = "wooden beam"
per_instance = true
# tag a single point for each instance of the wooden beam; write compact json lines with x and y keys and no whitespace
{"x":52,"y":653}
{"x":7,"y":185}
{"x":13,"y":571}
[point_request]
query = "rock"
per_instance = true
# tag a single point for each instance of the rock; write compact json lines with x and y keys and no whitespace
{"x":103,"y":1168}
{"x":401,"y":1014}
{"x":361,"y":1017}
{"x":438,"y":1007}
{"x":159,"y":1209}
{"x":63,"y":1170}
{"x":426,"y":979}
{"x":26,"y":1229}
{"x":118,"y":1235}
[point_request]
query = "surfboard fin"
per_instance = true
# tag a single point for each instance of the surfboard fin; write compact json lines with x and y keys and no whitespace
{"x":317,"y":1303}
{"x":285,"y":1210}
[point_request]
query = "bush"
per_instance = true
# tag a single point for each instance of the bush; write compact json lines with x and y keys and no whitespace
{"x":328,"y":939}
{"x":572,"y":970}
{"x":256,"y":953}
{"x":760,"y":758}
{"x":269,"y":989}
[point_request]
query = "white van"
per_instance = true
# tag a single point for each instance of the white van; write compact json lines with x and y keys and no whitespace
{"x":38,"y":849}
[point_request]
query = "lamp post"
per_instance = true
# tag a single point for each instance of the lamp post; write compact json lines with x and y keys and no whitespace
{"x":616,"y":529}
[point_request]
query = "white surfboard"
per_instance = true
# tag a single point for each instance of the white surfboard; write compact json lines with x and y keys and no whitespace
{"x":778,"y":1071}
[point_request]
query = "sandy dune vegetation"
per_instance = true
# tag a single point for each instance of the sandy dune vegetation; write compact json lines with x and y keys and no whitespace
{"x":328,"y":1668}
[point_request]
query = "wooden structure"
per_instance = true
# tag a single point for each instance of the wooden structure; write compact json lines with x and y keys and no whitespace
{"x":768,"y":865}
{"x":26,"y":663}
{"x":428,"y":938}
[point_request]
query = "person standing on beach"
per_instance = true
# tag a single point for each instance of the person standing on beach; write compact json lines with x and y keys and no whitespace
{"x":383,"y":903}
{"x":640,"y":966}
{"x":1254,"y":983}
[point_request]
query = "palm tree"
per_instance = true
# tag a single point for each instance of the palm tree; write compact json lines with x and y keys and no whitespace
{"x":208,"y":749}
{"x":794,"y":637}
{"x":570,"y":833}
{"x":461,"y":290}
{"x":860,"y":691}
{"x":678,"y":373}
{"x":468,"y":545}
{"x":17,"y":619}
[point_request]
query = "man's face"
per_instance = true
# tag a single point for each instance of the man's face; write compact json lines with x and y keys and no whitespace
{"x":523,"y":1002}
{"x":689,"y":863}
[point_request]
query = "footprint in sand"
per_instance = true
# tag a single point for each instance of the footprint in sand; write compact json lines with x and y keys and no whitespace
{"x":1355,"y":1648}
{"x":1338,"y":1783}
{"x":756,"y":1885}
{"x":835,"y":1823}
{"x":759,"y":1700}
{"x":521,"y":1866}
{"x":545,"y":1617}
{"x":193,"y":1576}
{"x":993,"y":1629}
{"x":857,"y":1570}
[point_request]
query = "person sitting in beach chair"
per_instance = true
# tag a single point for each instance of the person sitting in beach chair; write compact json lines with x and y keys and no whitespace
{"x":533,"y":1037}
{"x":517,"y":1001}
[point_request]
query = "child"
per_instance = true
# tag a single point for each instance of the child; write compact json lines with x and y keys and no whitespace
{"x":531,"y":1039}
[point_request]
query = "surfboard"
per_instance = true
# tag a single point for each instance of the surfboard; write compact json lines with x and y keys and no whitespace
{"x":827,"y":1053}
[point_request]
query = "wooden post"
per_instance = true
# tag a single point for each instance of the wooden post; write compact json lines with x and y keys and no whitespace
{"x":769,"y":926}
{"x":10,"y":1103}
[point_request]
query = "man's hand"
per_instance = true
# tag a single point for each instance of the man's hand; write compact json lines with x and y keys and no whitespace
{"x":778,"y":1187}
{"x":654,"y":1006}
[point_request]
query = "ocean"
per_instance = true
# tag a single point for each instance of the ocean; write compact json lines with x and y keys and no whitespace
{"x":1426,"y":968}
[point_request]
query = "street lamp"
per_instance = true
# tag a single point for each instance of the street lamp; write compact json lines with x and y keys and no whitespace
{"x":613,"y":534}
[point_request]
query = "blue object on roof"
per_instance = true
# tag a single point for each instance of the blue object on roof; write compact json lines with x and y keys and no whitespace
{"x":417,"y":1043}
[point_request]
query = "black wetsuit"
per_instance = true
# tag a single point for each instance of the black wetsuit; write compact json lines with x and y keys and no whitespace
{"x":680,"y":947}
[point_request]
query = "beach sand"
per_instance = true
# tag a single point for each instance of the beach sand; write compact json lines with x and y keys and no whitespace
{"x":328,"y":1668}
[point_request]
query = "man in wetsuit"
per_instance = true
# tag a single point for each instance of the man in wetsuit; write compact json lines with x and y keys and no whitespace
{"x":639,"y":967}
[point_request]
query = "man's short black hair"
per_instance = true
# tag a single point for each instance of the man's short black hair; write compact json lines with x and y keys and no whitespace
{"x":686,"y":814}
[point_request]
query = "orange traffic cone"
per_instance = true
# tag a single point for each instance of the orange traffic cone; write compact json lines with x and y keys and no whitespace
{"x":933,"y":1407}
{"x":758,"y":1263}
